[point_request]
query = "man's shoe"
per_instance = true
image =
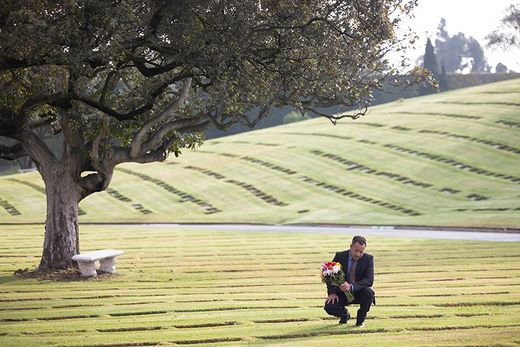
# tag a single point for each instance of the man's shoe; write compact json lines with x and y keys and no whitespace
{"x":360,"y":325}
{"x":344,"y":319}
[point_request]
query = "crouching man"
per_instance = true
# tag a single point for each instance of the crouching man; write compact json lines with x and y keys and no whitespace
{"x":359,"y":275}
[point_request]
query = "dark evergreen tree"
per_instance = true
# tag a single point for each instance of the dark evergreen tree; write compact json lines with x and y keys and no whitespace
{"x":475,"y":51}
{"x":443,"y":82}
{"x":501,"y":68}
{"x":430,"y":63}
{"x":430,"y":59}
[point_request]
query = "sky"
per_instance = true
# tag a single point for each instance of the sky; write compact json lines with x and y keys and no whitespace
{"x":475,"y":18}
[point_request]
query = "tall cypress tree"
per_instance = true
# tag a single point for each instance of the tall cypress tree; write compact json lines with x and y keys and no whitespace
{"x":430,"y":60}
{"x":430,"y":63}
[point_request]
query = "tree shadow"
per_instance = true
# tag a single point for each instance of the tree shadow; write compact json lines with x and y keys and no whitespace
{"x":332,"y":329}
{"x":65,"y":275}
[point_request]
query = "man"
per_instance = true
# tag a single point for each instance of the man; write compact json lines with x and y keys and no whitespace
{"x":359,"y":275}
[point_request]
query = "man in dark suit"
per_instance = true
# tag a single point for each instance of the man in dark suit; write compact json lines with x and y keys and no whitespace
{"x":359,"y":275}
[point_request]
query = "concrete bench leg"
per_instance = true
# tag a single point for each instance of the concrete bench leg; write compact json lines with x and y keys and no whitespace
{"x":87,"y":268}
{"x":108,"y":265}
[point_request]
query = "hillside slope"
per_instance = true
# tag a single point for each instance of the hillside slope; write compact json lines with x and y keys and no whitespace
{"x":450,"y":159}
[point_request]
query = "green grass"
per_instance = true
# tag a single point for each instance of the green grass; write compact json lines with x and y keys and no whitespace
{"x":422,"y":161}
{"x":449,"y":159}
{"x":199,"y":287}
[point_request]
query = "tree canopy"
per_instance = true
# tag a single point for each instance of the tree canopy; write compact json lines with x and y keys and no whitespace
{"x":508,"y":33}
{"x":135,"y":80}
{"x":458,"y":53}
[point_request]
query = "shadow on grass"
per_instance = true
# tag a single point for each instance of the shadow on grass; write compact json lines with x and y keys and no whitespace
{"x":6,"y":279}
{"x":329,"y":330}
{"x":68,"y":275}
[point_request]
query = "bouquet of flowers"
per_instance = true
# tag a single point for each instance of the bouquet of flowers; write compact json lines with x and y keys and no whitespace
{"x":331,"y":273}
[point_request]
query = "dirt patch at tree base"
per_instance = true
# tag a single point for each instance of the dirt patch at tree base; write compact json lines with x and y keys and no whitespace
{"x":71,"y":274}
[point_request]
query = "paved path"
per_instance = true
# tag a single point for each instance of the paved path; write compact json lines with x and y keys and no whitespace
{"x":351,"y":231}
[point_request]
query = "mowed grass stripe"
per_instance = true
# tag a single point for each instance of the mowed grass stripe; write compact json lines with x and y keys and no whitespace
{"x":398,"y":168}
{"x":303,"y":176}
{"x":195,"y":289}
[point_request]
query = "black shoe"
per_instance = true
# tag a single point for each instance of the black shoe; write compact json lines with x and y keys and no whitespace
{"x":344,"y":319}
{"x":360,"y":325}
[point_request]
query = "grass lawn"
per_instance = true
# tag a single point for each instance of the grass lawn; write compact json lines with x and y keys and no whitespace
{"x":199,"y":287}
{"x":449,"y":159}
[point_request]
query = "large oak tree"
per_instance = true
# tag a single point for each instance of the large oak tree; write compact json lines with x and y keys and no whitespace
{"x":134,"y":80}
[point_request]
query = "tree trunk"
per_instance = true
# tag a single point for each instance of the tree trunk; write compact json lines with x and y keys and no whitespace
{"x":61,"y":241}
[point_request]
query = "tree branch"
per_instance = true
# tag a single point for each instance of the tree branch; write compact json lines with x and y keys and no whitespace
{"x":335,"y":118}
{"x":122,"y":155}
{"x":9,"y":63}
{"x":140,"y":64}
{"x":105,"y":122}
{"x":134,"y":113}
{"x":38,"y":150}
{"x":57,"y":99}
{"x":42,"y":122}
{"x":12,"y":152}
{"x":74,"y":142}
{"x":260,"y":114}
{"x":106,"y":86}
{"x":96,"y":182}
{"x":158,"y":136}
{"x":139,"y":138}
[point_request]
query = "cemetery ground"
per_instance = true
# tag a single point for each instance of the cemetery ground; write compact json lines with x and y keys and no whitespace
{"x":199,"y":287}
{"x":449,"y":159}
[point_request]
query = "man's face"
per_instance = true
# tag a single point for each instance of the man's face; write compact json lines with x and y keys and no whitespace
{"x":357,"y":250}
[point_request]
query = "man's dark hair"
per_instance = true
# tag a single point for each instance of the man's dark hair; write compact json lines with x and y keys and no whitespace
{"x":359,"y":239}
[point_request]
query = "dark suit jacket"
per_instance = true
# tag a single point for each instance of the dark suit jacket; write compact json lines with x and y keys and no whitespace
{"x":364,"y":271}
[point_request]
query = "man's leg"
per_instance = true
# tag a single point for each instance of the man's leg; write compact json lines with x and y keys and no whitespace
{"x":338,"y":308}
{"x":364,"y":298}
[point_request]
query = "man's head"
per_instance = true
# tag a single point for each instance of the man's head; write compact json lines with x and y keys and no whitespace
{"x":357,"y":247}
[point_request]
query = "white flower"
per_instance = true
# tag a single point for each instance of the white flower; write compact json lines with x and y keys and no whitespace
{"x":335,"y":269}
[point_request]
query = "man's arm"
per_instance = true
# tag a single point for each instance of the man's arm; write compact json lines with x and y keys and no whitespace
{"x":330,"y":288}
{"x":368,"y":276}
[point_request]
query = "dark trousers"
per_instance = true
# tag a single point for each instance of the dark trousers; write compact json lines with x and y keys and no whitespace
{"x":363,"y":297}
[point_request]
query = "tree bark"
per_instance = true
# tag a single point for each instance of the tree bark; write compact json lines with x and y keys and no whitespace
{"x":61,"y":240}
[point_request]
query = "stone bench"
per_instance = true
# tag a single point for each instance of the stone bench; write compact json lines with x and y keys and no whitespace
{"x":106,"y":258}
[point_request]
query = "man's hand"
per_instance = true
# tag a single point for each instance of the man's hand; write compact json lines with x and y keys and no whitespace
{"x":332,"y":298}
{"x":345,"y":287}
